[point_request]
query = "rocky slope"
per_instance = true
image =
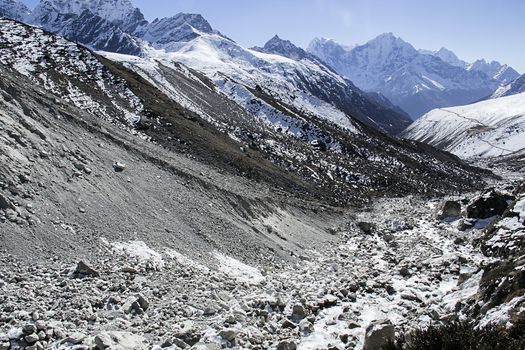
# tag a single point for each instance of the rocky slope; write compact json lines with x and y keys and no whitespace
{"x":417,"y":81}
{"x":491,"y":128}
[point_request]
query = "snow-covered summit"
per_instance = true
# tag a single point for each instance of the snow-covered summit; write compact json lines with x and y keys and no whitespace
{"x":449,"y":57}
{"x":14,"y":9}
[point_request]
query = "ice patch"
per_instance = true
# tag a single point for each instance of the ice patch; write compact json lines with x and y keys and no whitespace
{"x":238,"y":270}
{"x":185,"y":261}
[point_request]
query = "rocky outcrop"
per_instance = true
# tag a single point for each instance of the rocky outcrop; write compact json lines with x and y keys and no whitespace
{"x":490,"y":204}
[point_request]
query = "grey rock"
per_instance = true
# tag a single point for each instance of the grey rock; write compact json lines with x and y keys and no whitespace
{"x":450,"y":209}
{"x":298,"y":312}
{"x":367,"y":227}
{"x":378,"y":334}
{"x":306,"y":327}
{"x":75,"y":338}
{"x":120,"y":340}
{"x":29,"y":329}
{"x":84,"y":269}
{"x":488,"y":205}
{"x":5,"y":345}
{"x":119,"y":167}
{"x":32,"y":338}
{"x":229,"y":334}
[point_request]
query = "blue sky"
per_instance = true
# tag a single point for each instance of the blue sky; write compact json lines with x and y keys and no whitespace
{"x":472,"y":28}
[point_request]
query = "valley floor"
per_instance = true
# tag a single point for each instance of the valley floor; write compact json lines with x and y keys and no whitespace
{"x":408,"y":267}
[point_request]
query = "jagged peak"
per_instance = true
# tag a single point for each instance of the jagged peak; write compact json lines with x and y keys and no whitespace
{"x":282,"y":47}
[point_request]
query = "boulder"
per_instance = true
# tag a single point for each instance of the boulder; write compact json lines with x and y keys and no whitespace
{"x":229,"y":334}
{"x":378,"y":334}
{"x":366,"y":227}
{"x":119,"y":167}
{"x":450,"y":209}
{"x":137,"y":304}
{"x":84,"y":269}
{"x":5,"y":203}
{"x":298,"y":312}
{"x":488,"y":205}
{"x":75,"y":338}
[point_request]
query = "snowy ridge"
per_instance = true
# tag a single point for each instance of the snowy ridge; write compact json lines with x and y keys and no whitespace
{"x":486,"y":129}
{"x":221,"y":60}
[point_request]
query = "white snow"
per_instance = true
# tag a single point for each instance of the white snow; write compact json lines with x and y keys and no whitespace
{"x":227,"y":63}
{"x":519,"y":208}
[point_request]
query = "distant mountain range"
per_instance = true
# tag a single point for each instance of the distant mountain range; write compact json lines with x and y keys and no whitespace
{"x":116,"y":26}
{"x":275,"y":114}
{"x":416,"y":80}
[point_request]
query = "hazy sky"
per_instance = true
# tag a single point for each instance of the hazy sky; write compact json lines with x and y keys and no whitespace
{"x":473,"y":29}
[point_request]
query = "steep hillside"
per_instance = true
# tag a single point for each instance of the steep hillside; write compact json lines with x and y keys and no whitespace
{"x":489,"y":128}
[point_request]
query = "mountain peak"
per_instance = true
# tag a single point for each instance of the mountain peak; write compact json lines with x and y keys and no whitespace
{"x":182,"y":27}
{"x":282,"y":47}
{"x":449,"y":57}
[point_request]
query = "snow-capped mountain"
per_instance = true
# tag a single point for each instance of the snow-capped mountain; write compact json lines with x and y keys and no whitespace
{"x":417,"y":81}
{"x":516,"y":87}
{"x":116,"y":26}
{"x":449,"y":57}
{"x":502,"y":73}
{"x":333,"y":89}
{"x":489,"y":128}
{"x":99,"y":24}
{"x":118,"y":12}
{"x":14,"y":9}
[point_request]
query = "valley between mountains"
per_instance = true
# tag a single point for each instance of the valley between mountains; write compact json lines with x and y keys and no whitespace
{"x":163,"y":187}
